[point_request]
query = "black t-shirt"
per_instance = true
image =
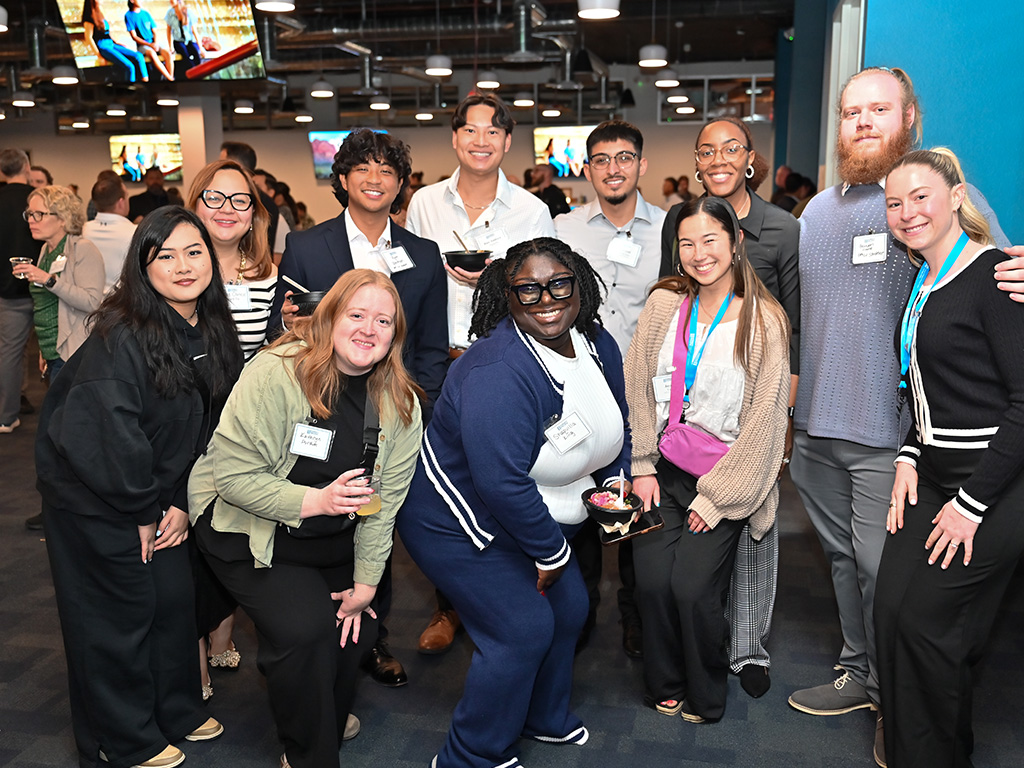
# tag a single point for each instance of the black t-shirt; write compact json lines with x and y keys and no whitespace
{"x":16,"y":237}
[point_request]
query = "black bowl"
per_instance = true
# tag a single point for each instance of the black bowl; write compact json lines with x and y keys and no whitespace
{"x":607,"y":516}
{"x":471,"y":261}
{"x":306,"y":302}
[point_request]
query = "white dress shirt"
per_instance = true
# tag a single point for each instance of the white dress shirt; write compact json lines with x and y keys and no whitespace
{"x":437,"y":212}
{"x":367,"y":255}
{"x":111,"y":233}
{"x":587,"y":231}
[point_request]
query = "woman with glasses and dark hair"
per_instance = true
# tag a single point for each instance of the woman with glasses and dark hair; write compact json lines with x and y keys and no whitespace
{"x":530,"y":416}
{"x":66,"y":280}
{"x":118,"y":433}
{"x":707,"y":380}
{"x":225,"y":198}
{"x":227,"y":201}
{"x":730,"y":168}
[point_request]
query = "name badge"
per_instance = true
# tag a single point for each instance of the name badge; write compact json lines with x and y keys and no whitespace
{"x":58,"y":265}
{"x":397,"y":259}
{"x":568,"y":432}
{"x":492,"y":239}
{"x":238,"y":296}
{"x":312,"y":442}
{"x":622,"y":250}
{"x":870,"y":249}
{"x":662,"y":388}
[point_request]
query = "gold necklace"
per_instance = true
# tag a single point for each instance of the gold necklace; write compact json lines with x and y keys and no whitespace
{"x":478,"y":207}
{"x":241,"y":269}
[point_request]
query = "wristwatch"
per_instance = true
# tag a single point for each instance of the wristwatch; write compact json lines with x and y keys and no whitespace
{"x":51,"y":282}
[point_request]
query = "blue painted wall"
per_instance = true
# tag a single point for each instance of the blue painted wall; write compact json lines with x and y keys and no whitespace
{"x":964,"y":59}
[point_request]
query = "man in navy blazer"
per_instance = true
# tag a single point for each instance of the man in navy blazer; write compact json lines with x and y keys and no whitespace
{"x":371,"y":177}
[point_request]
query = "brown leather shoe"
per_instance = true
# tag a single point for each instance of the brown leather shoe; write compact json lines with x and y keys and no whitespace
{"x":440,"y":632}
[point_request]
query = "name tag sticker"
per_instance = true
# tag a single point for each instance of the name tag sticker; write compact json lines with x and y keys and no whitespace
{"x":493,"y":239}
{"x":397,"y":259}
{"x":58,"y":265}
{"x":870,"y":249}
{"x":622,"y":250}
{"x":662,"y":388}
{"x":568,"y":432}
{"x":312,"y":442}
{"x":238,"y":296}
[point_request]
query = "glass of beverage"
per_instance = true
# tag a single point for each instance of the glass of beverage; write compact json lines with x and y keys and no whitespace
{"x":372,"y":507}
{"x":16,"y":260}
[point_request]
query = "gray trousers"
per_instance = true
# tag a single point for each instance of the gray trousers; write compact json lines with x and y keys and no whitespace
{"x":846,"y":488}
{"x":15,"y":326}
{"x":752,"y":598}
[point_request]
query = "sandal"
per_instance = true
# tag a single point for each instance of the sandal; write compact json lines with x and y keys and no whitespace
{"x":228,"y":659}
{"x":670,"y":707}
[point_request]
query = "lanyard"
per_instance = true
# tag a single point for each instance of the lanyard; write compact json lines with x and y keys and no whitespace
{"x":920,"y":294}
{"x":693,"y":356}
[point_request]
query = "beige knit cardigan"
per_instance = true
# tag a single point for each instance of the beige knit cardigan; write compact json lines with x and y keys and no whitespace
{"x":743,"y":483}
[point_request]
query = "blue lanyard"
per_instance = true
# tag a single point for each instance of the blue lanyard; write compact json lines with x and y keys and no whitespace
{"x":919,"y":295}
{"x":693,"y":356}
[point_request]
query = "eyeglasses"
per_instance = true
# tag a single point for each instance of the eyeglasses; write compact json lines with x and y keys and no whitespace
{"x":36,"y":216}
{"x":559,"y":288}
{"x":706,"y":154}
{"x":623,"y":159}
{"x":240,"y":201}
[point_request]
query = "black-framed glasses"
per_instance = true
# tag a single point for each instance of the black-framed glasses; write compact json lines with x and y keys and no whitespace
{"x":240,"y":201}
{"x":623,"y":159}
{"x":35,"y":216}
{"x":706,"y":153}
{"x":559,"y":288}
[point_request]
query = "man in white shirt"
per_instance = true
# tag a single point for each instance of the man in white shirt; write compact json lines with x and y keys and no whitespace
{"x":619,"y":232}
{"x":111,"y":231}
{"x":477,"y":202}
{"x":488,"y":213}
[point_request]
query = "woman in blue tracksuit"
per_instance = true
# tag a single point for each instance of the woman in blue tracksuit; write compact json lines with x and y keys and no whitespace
{"x":532,"y":415}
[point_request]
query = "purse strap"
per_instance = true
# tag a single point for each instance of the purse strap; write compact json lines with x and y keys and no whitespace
{"x":679,"y":351}
{"x":371,"y":432}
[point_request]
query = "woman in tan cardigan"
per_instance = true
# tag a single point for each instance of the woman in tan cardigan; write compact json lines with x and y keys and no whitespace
{"x":727,"y":375}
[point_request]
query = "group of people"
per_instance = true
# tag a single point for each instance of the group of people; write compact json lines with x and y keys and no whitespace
{"x":686,"y":357}
{"x":154,"y":47}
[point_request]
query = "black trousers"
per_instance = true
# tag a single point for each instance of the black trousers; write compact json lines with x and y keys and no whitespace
{"x":310,"y":677}
{"x":682,"y":581}
{"x":129,"y":637}
{"x":589,"y":551}
{"x":932,"y":625}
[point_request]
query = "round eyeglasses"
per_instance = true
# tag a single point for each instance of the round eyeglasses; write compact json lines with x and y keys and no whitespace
{"x":706,"y":153}
{"x":623,"y":159}
{"x":240,"y":201}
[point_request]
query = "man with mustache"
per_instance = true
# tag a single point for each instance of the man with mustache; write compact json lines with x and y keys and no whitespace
{"x":854,"y":285}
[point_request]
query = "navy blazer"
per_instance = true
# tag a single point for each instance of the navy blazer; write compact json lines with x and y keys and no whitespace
{"x":317,"y":257}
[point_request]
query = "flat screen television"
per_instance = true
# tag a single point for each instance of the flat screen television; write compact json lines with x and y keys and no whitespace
{"x":325,"y":146}
{"x":563,"y":147}
{"x":131,"y":155}
{"x":188,"y":40}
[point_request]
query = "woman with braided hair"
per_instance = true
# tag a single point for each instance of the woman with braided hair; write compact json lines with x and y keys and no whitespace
{"x":497,"y":493}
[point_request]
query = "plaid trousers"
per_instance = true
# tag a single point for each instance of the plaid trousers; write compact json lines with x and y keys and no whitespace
{"x":752,"y":598}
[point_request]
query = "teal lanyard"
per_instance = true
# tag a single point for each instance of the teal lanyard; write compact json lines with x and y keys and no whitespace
{"x":918,"y":296}
{"x":693,"y":356}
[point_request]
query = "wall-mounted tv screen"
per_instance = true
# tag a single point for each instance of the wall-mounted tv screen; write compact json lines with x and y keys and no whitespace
{"x":563,"y":147}
{"x":325,"y":146}
{"x":163,"y":40}
{"x":131,"y":155}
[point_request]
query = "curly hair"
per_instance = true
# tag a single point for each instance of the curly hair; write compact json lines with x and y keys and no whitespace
{"x":492,"y":295}
{"x":363,"y":145}
{"x":65,"y":203}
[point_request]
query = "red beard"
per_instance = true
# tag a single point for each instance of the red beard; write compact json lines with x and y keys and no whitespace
{"x":856,"y":167}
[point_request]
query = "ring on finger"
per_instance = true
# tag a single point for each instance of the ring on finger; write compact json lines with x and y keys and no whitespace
{"x":953,"y":545}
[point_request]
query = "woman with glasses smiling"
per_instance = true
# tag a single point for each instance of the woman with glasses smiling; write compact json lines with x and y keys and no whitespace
{"x":530,"y":417}
{"x":227,"y":201}
{"x":728,"y":167}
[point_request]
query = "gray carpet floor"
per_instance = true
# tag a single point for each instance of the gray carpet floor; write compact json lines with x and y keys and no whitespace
{"x":403,"y":728}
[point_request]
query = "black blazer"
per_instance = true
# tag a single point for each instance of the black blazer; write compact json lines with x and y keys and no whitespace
{"x":317,"y":257}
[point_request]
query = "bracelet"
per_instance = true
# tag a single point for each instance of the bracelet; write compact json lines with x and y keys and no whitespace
{"x":790,"y":411}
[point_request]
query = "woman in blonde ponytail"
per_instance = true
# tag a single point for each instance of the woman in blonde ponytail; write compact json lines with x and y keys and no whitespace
{"x":954,"y":514}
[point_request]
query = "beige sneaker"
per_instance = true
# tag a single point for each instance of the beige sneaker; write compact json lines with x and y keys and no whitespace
{"x":170,"y":757}
{"x":211,"y":729}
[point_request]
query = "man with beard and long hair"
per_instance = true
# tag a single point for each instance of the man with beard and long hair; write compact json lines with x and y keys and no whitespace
{"x":854,"y":284}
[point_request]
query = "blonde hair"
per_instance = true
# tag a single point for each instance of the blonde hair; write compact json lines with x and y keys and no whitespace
{"x":65,"y":203}
{"x":254,"y":245}
{"x":908,"y":98}
{"x":944,"y":162}
{"x":745,"y":282}
{"x":317,"y":374}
